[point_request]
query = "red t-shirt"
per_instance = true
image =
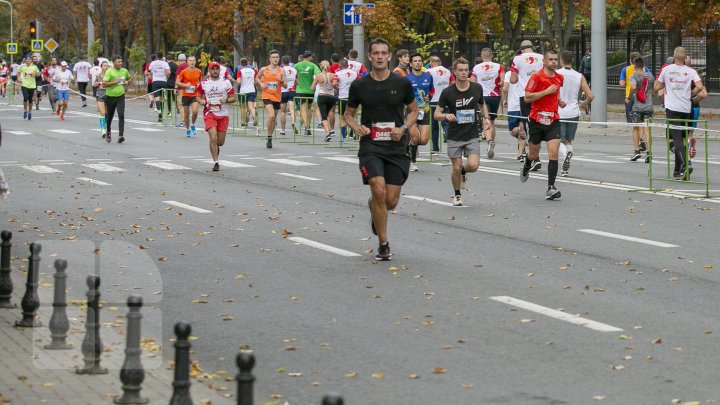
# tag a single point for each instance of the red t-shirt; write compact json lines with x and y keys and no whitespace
{"x":334,"y":68}
{"x":539,"y":81}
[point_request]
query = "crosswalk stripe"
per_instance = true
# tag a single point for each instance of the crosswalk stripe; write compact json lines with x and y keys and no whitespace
{"x":63,"y":131}
{"x":291,"y":162}
{"x":345,"y":159}
{"x":166,"y":166}
{"x":103,"y":167}
{"x":42,"y":169}
{"x":93,"y":181}
{"x":226,"y":163}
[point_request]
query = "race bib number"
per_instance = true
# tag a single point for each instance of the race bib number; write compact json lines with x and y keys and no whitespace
{"x":190,"y":89}
{"x":215,"y":107}
{"x":421,"y":115}
{"x":381,"y":131}
{"x":122,"y":80}
{"x":465,"y":116}
{"x":272,"y":86}
{"x":545,"y":118}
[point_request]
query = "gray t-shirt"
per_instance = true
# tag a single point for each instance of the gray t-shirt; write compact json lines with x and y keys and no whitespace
{"x":637,"y":80}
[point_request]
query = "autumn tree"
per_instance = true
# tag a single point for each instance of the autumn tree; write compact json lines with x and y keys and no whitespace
{"x":558,"y":22}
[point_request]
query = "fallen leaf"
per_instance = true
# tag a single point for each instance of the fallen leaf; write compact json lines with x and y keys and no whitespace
{"x":351,"y":374}
{"x":439,"y":370}
{"x":378,"y":376}
{"x":428,"y":323}
{"x":657,"y":341}
{"x":527,"y":320}
{"x":599,"y":397}
{"x":618,"y":367}
{"x":468,"y":386}
{"x":414,"y":376}
{"x":291,"y":348}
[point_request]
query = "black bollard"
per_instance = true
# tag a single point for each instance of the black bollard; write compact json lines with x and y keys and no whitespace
{"x":181,"y":384}
{"x":6,"y":284}
{"x":332,"y":399}
{"x":59,"y":323}
{"x":92,"y":346}
{"x":245,"y":379}
{"x":30,"y":301}
{"x":132,"y":373}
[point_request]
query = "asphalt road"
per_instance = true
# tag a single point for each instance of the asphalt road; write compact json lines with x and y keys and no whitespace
{"x":606,"y":295}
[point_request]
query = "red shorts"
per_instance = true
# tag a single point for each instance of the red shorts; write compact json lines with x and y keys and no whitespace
{"x":212,"y":120}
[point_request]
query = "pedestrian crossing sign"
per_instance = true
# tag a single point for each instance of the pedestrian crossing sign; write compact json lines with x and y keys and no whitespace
{"x":36,"y":45}
{"x":11,"y":48}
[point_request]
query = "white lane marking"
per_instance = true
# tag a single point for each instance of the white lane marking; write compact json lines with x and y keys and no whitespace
{"x":297,"y":176}
{"x":226,"y":163}
{"x":96,"y":160}
{"x":42,"y":169}
{"x":326,"y":153}
{"x":51,"y":160}
{"x":322,"y":246}
{"x":62,"y":164}
{"x":9,"y":161}
{"x":291,"y":162}
{"x":492,"y":161}
{"x":282,"y":154}
{"x":63,"y":131}
{"x":582,"y":159}
{"x":103,"y":167}
{"x":193,"y":157}
{"x":167,"y":166}
{"x":430,"y":200}
{"x":553,"y":313}
{"x":345,"y":159}
{"x":188,"y":207}
{"x":21,"y":133}
{"x":144,"y":158}
{"x":628,"y":238}
{"x":148,"y":129}
{"x":93,"y":181}
{"x":234,"y":155}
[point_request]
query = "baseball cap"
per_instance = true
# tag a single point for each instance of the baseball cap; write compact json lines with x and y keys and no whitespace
{"x":63,"y":63}
{"x":182,"y":57}
{"x":307,"y":54}
{"x":526,"y":44}
{"x":213,"y":64}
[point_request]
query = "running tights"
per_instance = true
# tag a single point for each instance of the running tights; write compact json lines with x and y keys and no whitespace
{"x":113,"y":104}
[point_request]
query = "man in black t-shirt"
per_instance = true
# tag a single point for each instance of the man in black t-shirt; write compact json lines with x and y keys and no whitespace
{"x":462,"y":100}
{"x":383,"y":153}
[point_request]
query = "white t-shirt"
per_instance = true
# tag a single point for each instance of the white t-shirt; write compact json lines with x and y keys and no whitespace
{"x":51,"y":74}
{"x":95,"y":72}
{"x":490,"y":76}
{"x":62,"y":79}
{"x":345,"y":77}
{"x":441,"y":80}
{"x":82,"y":70}
{"x":525,"y":65}
{"x":290,"y":76}
{"x":678,"y":84}
{"x":356,"y":66}
{"x":14,"y":69}
{"x":569,"y":93}
{"x":158,"y":69}
{"x":513,"y":96}
{"x":247,"y":80}
{"x":214,"y":91}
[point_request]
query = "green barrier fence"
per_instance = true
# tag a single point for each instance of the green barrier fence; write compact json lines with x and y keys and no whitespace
{"x":169,"y":115}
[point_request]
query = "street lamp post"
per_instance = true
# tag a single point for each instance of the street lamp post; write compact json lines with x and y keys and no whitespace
{"x":11,"y":26}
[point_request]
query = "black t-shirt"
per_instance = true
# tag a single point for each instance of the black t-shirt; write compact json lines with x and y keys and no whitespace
{"x":173,"y":76}
{"x":39,"y":79}
{"x":383,"y":104}
{"x":464,"y":105}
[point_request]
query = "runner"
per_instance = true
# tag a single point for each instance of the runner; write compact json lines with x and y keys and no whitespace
{"x":96,"y":71}
{"x":158,"y":72}
{"x":442,"y":78}
{"x":511,"y":102}
{"x":641,"y":93}
{"x":490,"y":76}
{"x":27,"y":74}
{"x":543,"y":91}
{"x":215,"y":94}
{"x":356,"y":66}
{"x":334,"y":63}
{"x":246,"y":76}
{"x":49,"y":73}
{"x":462,"y":100}
{"x":188,"y":81}
{"x":403,"y":66}
{"x":384,"y":163}
{"x":422,"y":84}
{"x":99,"y":93}
{"x":288,"y":96}
{"x":271,"y":80}
{"x":4,"y":74}
{"x":82,"y":77}
{"x":695,"y":115}
{"x":573,"y":83}
{"x":624,"y":81}
{"x":39,"y":81}
{"x":62,"y":77}
{"x":13,"y":76}
{"x":324,"y":86}
{"x":343,"y":80}
{"x":146,"y":70}
{"x":115,"y":81}
{"x":524,"y":66}
{"x":306,"y":71}
{"x":182,"y":64}
{"x":171,"y":99}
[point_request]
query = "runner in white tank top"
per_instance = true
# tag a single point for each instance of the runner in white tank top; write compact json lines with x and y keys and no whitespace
{"x":573,"y":83}
{"x":490,"y":76}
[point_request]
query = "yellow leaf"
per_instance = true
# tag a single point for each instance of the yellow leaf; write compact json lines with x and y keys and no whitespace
{"x":239,"y":277}
{"x":281,"y":369}
{"x":378,"y":376}
{"x":428,"y":323}
{"x":527,"y":320}
{"x":351,"y":374}
{"x":199,"y":301}
{"x":291,"y":348}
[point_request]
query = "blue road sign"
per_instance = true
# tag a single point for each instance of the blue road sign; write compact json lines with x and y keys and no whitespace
{"x":350,"y":17}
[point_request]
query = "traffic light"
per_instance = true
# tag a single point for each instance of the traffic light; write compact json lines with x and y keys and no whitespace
{"x":33,"y":30}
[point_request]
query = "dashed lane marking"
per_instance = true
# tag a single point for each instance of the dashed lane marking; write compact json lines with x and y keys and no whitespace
{"x":93,"y":181}
{"x":322,"y":246}
{"x":297,"y":176}
{"x":628,"y":238}
{"x":188,"y":207}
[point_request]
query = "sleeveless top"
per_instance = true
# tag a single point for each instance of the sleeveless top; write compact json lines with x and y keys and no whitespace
{"x":569,"y":93}
{"x":326,"y":87}
{"x":272,"y":79}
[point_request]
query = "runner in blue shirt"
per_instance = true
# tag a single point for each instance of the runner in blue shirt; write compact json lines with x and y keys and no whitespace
{"x":422,"y":85}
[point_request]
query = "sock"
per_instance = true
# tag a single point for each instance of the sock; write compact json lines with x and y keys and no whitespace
{"x":413,"y":152}
{"x":457,"y":192}
{"x":343,"y":131}
{"x":158,"y":105}
{"x":569,"y":148}
{"x":527,"y":163}
{"x":462,"y":171}
{"x":552,"y":172}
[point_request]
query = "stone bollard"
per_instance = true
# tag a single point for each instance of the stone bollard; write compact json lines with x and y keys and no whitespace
{"x":245,"y":379}
{"x":6,"y":284}
{"x":181,"y":384}
{"x":132,"y":373}
{"x":92,"y":346}
{"x":59,"y":323}
{"x":30,"y":301}
{"x":332,"y":399}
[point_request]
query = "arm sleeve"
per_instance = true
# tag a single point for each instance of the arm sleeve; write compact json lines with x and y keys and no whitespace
{"x":442,"y":101}
{"x":532,"y":85}
{"x":695,"y":76}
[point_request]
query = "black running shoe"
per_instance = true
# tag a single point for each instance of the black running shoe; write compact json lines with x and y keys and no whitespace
{"x":536,"y":165}
{"x":108,"y":137}
{"x":268,"y":144}
{"x":383,"y":252}
{"x":552,"y":193}
{"x":216,"y":167}
{"x":566,"y":162}
{"x":635,"y":156}
{"x":121,"y":139}
{"x":643,"y":146}
{"x":524,"y":173}
{"x":372,"y":224}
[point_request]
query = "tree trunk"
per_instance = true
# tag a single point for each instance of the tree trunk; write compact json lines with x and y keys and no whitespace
{"x":463,"y":18}
{"x":155,"y":4}
{"x":115,"y":28}
{"x":149,"y":36}
{"x":674,"y":38}
{"x":311,"y":31}
{"x":336,"y":30}
{"x":511,"y":30}
{"x":102,"y":10}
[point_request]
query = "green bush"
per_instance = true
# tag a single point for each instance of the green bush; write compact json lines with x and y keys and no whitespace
{"x":617,"y":58}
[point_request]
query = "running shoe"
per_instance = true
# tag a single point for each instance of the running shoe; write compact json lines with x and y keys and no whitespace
{"x":25,"y":114}
{"x":457,"y":201}
{"x":521,"y":158}
{"x":255,"y":122}
{"x":187,"y":133}
{"x":121,"y":139}
{"x":152,"y":104}
{"x":84,"y":104}
{"x":524,"y":173}
{"x":169,"y":114}
{"x":268,"y":144}
{"x":383,"y":252}
{"x":108,"y":137}
{"x":295,"y":131}
{"x":552,"y":193}
{"x":159,"y":118}
{"x":282,"y":133}
{"x":307,"y":131}
{"x":566,"y":162}
{"x":328,"y":137}
{"x":62,"y":117}
{"x":635,"y":156}
{"x":57,"y":111}
{"x":536,"y":165}
{"x":29,"y":116}
{"x":648,"y":158}
{"x":491,"y":149}
{"x":413,"y":167}
{"x":372,"y":224}
{"x":319,"y":125}
{"x":216,"y":167}
{"x":691,"y":145}
{"x":193,"y":130}
{"x":564,"y":173}
{"x":643,"y":146}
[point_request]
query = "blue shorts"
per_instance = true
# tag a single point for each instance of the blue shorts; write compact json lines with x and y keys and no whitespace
{"x":287,"y":96}
{"x":493,"y":104}
{"x":628,"y":110}
{"x":568,"y":129}
{"x":695,"y":115}
{"x":513,"y":120}
{"x":249,"y":97}
{"x":63,"y":95}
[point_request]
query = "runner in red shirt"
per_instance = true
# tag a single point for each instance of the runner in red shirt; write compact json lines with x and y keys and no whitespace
{"x":543,"y":92}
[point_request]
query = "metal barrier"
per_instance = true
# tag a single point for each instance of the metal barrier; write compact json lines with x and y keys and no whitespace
{"x":303,"y":137}
{"x":344,"y":129}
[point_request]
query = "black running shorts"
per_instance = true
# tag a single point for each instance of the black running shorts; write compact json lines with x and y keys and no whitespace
{"x":394,"y":168}
{"x":540,"y":132}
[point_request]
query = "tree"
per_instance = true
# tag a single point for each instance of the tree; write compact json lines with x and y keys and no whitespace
{"x":559,"y":24}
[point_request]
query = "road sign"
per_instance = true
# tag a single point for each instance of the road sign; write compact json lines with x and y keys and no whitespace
{"x":36,"y":45}
{"x":350,"y":16}
{"x":51,"y":45}
{"x":11,"y":48}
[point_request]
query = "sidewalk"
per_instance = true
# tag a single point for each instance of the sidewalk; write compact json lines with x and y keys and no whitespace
{"x":31,"y":375}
